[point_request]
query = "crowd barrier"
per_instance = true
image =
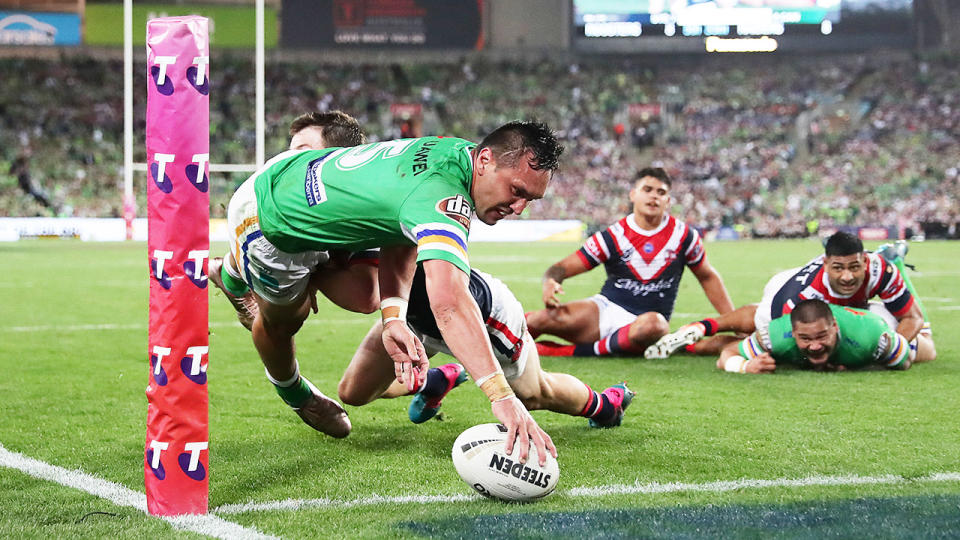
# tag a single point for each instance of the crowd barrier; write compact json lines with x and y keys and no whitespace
{"x":114,"y":229}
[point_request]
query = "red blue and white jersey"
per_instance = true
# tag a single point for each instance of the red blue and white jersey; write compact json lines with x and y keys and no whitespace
{"x":643,"y":267}
{"x":883,"y":280}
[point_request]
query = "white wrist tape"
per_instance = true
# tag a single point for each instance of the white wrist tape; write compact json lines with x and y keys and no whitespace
{"x":486,"y":378}
{"x":393,"y":309}
{"x":736,"y":364}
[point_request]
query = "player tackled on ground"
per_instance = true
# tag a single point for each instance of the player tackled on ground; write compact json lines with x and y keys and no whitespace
{"x":845,"y":275}
{"x":370,"y":374}
{"x":644,"y":255}
{"x":822,"y":337}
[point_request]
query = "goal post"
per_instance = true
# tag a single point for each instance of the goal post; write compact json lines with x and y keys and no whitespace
{"x":176,"y":464}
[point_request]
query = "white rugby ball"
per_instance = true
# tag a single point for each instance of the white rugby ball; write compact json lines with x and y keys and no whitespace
{"x":481,"y":461}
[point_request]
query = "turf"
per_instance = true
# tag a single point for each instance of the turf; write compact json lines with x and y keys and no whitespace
{"x":74,"y":364}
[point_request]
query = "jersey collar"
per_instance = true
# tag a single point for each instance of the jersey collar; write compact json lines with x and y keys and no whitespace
{"x":632,"y":223}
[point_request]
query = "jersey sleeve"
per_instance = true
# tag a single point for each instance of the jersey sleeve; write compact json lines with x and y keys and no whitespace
{"x":597,"y":249}
{"x":893,"y":291}
{"x":895,"y":350}
{"x":752,"y":347}
{"x":436,"y":217}
{"x":693,"y":253}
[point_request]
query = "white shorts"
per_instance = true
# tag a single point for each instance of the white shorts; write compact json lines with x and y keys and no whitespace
{"x":612,"y":316}
{"x":761,"y":319}
{"x":507,"y":328}
{"x":277,"y":276}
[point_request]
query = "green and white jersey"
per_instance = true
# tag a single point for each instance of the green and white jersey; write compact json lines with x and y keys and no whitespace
{"x":375,"y":195}
{"x":865,"y":339}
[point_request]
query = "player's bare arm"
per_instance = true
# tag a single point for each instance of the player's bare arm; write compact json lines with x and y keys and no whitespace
{"x":460,"y":323}
{"x":730,"y":360}
{"x":713,"y":287}
{"x":397,"y":264}
{"x":570,"y":266}
{"x":911,"y":322}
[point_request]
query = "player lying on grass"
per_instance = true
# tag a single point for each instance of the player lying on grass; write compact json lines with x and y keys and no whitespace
{"x":412,"y":197}
{"x":823,"y":337}
{"x":644,"y":255}
{"x":370,"y":374}
{"x":845,"y":275}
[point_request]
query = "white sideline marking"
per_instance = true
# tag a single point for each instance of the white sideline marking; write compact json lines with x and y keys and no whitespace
{"x":634,"y":489}
{"x":143,"y":326}
{"x":120,"y":495}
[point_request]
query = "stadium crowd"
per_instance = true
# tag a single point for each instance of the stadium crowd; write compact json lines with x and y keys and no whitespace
{"x":768,"y":147}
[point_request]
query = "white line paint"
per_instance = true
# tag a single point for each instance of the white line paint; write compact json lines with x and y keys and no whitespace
{"x":731,"y":485}
{"x":143,"y":326}
{"x":120,"y":495}
{"x":944,"y":308}
{"x":598,"y":491}
{"x":297,"y":504}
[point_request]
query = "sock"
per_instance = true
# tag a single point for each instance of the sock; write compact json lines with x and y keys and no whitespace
{"x":709,"y":326}
{"x":436,"y":383}
{"x":616,"y":343}
{"x":294,"y":391}
{"x":234,"y":286}
{"x":898,"y":262}
{"x":551,"y":348}
{"x":598,"y":407}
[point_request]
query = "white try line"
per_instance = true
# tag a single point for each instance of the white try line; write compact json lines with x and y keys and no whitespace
{"x":120,"y":495}
{"x":143,"y":326}
{"x":598,"y":491}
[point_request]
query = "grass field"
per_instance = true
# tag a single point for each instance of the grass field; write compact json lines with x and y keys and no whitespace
{"x":701,"y":453}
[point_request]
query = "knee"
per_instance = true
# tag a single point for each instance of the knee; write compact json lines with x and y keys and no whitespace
{"x":536,"y":319}
{"x":648,"y":327}
{"x":350,"y":394}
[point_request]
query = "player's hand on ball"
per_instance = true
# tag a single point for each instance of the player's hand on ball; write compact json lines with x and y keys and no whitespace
{"x":409,"y":359}
{"x":762,"y":364}
{"x":550,"y":291}
{"x":522,"y":430}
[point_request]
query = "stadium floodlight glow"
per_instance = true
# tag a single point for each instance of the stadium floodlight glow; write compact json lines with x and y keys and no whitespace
{"x":612,"y":29}
{"x":693,"y":16}
{"x":718,"y":44}
{"x":826,"y":27}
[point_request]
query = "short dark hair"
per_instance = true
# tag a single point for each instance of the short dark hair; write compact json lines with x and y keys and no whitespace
{"x":338,"y":128}
{"x":808,"y":311}
{"x":841,"y":244}
{"x":513,"y":140}
{"x":656,"y":172}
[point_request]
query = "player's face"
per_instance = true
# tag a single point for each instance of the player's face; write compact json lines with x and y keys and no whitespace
{"x":816,"y":340}
{"x":500,"y":191}
{"x":650,"y":198}
{"x":845,"y":272}
{"x":308,"y":138}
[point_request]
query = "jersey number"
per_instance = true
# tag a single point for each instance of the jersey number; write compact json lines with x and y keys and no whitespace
{"x":361,"y":155}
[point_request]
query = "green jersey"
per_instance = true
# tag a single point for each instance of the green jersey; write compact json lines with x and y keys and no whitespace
{"x":407,"y":191}
{"x":864,"y":339}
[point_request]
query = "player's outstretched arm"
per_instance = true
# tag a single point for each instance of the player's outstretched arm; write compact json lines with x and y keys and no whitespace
{"x":731,"y":360}
{"x":459,"y":321}
{"x":713,"y":287}
{"x":570,"y":266}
